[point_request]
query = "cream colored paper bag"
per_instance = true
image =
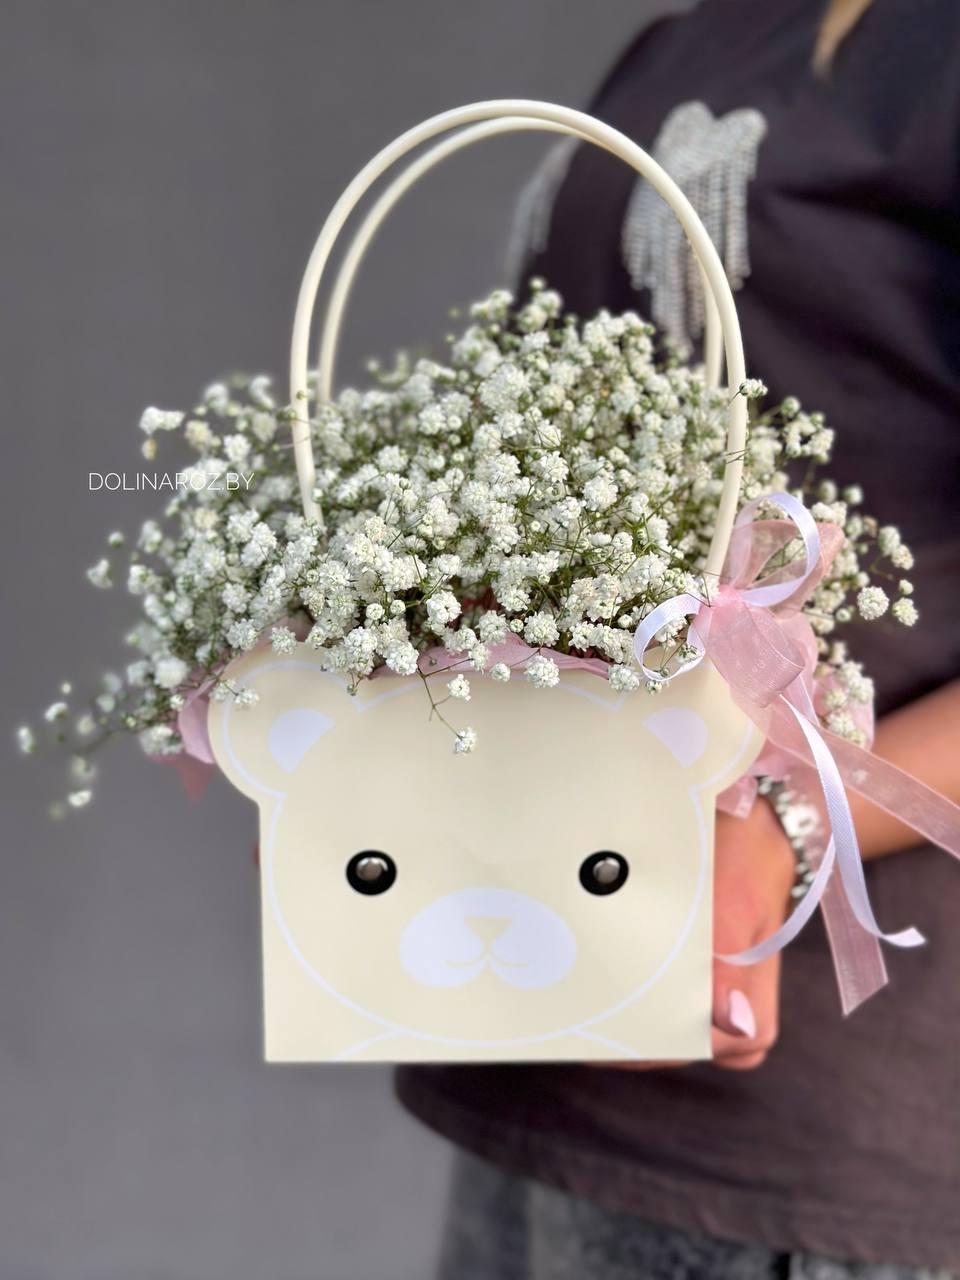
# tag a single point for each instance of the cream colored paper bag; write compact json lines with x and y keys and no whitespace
{"x":488,"y":939}
{"x":486,"y":946}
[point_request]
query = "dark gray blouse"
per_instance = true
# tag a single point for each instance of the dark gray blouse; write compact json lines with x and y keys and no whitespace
{"x":847,"y":1141}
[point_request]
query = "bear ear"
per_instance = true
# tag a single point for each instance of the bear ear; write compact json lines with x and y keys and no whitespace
{"x":259,"y":747}
{"x":696,"y":720}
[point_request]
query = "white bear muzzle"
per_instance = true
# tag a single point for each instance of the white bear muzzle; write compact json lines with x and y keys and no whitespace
{"x":457,"y":937}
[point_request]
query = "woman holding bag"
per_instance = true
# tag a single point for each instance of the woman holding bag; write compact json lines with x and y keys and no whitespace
{"x":820,"y":149}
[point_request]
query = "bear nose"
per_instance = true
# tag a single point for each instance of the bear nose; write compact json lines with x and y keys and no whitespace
{"x":487,"y":928}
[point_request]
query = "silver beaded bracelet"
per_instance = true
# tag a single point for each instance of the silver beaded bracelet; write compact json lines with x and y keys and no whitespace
{"x":800,"y":821}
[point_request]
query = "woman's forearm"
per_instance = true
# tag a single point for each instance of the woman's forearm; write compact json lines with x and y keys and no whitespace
{"x":923,"y":738}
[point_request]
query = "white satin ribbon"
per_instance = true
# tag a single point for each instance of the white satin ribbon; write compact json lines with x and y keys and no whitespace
{"x":843,"y":850}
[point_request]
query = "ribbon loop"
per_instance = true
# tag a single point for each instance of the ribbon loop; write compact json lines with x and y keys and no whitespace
{"x":672,"y":610}
{"x":768,"y":593}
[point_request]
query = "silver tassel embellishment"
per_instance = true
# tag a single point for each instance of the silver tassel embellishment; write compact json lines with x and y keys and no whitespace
{"x":534,"y":209}
{"x":713,"y":160}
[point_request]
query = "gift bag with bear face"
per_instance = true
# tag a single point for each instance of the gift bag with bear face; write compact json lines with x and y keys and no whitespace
{"x":546,"y":897}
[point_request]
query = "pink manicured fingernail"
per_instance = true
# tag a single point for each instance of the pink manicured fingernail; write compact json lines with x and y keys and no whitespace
{"x":741,"y":1014}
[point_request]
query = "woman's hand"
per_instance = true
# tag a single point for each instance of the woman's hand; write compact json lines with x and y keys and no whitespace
{"x":754,"y":872}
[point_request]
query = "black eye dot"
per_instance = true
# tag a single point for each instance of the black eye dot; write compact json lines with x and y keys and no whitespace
{"x":371,"y":872}
{"x":604,"y":872}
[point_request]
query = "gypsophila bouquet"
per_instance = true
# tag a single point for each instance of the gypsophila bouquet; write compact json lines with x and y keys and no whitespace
{"x":551,"y":479}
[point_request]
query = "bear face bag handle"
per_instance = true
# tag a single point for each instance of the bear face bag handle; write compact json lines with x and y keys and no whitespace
{"x":331,"y":322}
{"x":517,"y":114}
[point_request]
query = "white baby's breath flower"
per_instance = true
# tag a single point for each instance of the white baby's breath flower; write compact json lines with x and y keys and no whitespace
{"x":260,"y":544}
{"x":26,"y":740}
{"x":154,"y":419}
{"x":752,"y":388}
{"x":441,"y":609}
{"x":479,"y":655}
{"x":198,"y":435}
{"x":242,"y":635}
{"x":543,"y":673}
{"x":835,"y":699}
{"x":138,"y":672}
{"x":79,"y":798}
{"x":259,"y":391}
{"x":623,"y":679}
{"x":540,"y":629}
{"x":501,"y":672}
{"x":217,"y":397}
{"x":599,"y":493}
{"x":149,"y":448}
{"x":401,"y":657}
{"x":889,"y":539}
{"x":170,"y":671}
{"x":246,"y":698}
{"x":263,"y":427}
{"x":283,"y":640}
{"x":829,"y":512}
{"x":459,"y":687}
{"x":843,"y":725}
{"x":872,"y":602}
{"x":139,"y":579}
{"x":235,"y":597}
{"x":465,"y":741}
{"x":905,"y":611}
{"x":82,"y":769}
{"x":150,"y":538}
{"x":236,"y":449}
{"x":99,"y":574}
{"x":159,"y":740}
{"x":56,"y":711}
{"x":492,"y":627}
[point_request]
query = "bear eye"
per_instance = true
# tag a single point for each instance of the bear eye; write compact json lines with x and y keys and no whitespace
{"x":371,"y":872}
{"x":604,"y":872}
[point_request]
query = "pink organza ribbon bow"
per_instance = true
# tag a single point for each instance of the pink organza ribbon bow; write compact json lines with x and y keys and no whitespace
{"x":754,"y":633}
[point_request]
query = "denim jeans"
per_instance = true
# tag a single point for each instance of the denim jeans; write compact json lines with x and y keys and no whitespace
{"x":503,"y":1227}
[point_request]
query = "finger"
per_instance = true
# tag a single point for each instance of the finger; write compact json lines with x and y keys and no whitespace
{"x":746,"y":1002}
{"x":733,"y":1012}
{"x":742,"y":1062}
{"x":732,"y":1046}
{"x":724,"y":1045}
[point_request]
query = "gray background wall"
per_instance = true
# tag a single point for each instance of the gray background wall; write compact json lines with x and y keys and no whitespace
{"x":164,"y":168}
